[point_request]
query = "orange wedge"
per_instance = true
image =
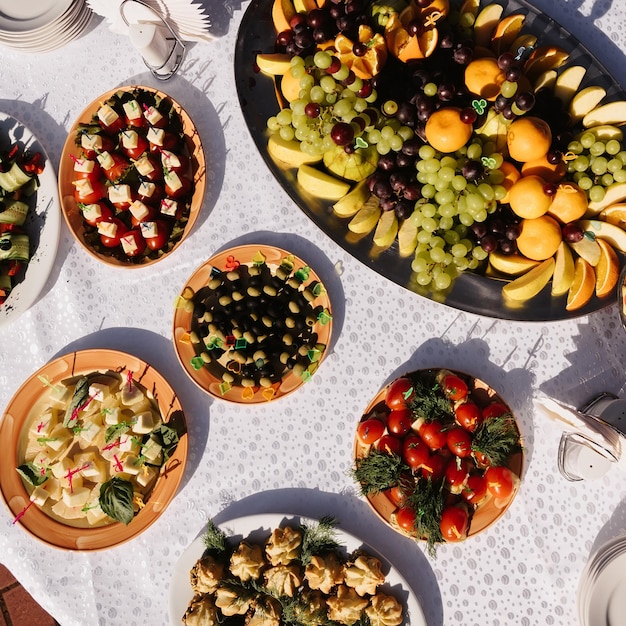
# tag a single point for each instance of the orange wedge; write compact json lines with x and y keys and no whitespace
{"x":615,"y":214}
{"x":407,"y":47}
{"x":583,"y":286}
{"x":607,"y":269}
{"x":544,"y":58}
{"x":372,"y":61}
{"x":506,"y":31}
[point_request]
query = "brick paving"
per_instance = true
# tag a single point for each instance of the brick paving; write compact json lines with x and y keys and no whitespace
{"x":17,"y":607}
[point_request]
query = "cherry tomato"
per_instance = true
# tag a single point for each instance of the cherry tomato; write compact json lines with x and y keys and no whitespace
{"x":97,"y":191}
{"x":138,"y":150}
{"x":395,"y":495}
{"x":454,"y":387}
{"x":168,"y":142}
{"x":399,"y":421}
{"x":161,"y":238}
{"x":118,"y":167}
{"x":390,"y":445}
{"x":114,"y":240}
{"x":405,"y":518}
{"x":370,"y":430}
{"x":95,"y":173}
{"x":459,"y":442}
{"x":495,"y":409}
{"x":433,"y":435}
{"x":152,"y":213}
{"x":133,"y":243}
{"x":399,"y":393}
{"x":108,"y":144}
{"x":151,"y":193}
{"x":457,"y":474}
{"x":454,"y":523}
{"x":415,"y":452}
{"x":475,"y":489}
{"x":501,"y":481}
{"x":435,"y":467}
{"x":114,"y":127}
{"x":171,"y":188}
{"x":468,"y":415}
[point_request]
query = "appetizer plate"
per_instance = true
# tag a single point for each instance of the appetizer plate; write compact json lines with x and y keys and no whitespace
{"x":487,"y":512}
{"x":262,"y":525}
{"x":18,"y":413}
{"x":202,"y":376}
{"x":471,"y":292}
{"x":72,"y":213}
{"x":43,"y":225}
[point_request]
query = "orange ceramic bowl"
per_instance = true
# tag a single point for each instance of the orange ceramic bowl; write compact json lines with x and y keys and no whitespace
{"x":19,"y":414}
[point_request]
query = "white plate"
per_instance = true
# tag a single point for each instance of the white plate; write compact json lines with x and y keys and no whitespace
{"x":49,"y":32}
{"x":607,"y":594}
{"x":261,"y":526}
{"x":24,"y":15}
{"x":43,"y":225}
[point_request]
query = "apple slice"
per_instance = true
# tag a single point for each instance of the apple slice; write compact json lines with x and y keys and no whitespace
{"x":304,"y":6}
{"x":386,"y":229}
{"x":609,"y":113}
{"x":545,"y":80}
{"x":470,"y":6}
{"x":506,"y":31}
{"x":407,"y":238}
{"x":288,"y":152}
{"x":614,"y":193}
{"x":352,"y":201}
{"x":544,"y":58}
{"x":485,"y":24}
{"x":531,"y":283}
{"x":523,"y":41}
{"x":585,"y":101}
{"x":511,"y":264}
{"x":609,"y":232}
{"x":563,"y":276}
{"x":366,"y":218}
{"x":273,"y":63}
{"x":568,"y":83}
{"x":320,"y":184}
{"x":587,"y":249}
{"x":606,"y":132}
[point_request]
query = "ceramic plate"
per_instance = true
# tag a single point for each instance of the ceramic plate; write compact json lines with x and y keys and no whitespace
{"x":43,"y":225}
{"x":209,"y":381}
{"x":17,"y":413}
{"x":471,"y":292}
{"x":72,"y":213}
{"x":488,"y":511}
{"x":27,"y":15}
{"x":259,"y":527}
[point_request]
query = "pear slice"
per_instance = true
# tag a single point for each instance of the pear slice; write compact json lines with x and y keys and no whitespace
{"x":563,"y":276}
{"x":609,"y":113}
{"x":485,"y":24}
{"x":407,"y":238}
{"x":545,"y":80}
{"x":352,"y":201}
{"x":511,"y":264}
{"x":386,"y":229}
{"x":614,"y":193}
{"x":366,"y":217}
{"x":273,"y":63}
{"x":320,"y":184}
{"x":288,"y":152}
{"x":587,"y":249}
{"x":611,"y":233}
{"x":585,"y":101}
{"x":568,"y":83}
{"x":531,"y":283}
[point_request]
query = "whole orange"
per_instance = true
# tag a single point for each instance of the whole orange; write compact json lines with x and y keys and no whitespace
{"x":528,"y":138}
{"x":527,"y":197}
{"x":445,"y":131}
{"x":539,"y":238}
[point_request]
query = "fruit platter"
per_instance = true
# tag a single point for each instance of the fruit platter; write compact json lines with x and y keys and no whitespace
{"x":267,"y":564}
{"x":95,"y":446}
{"x":438,"y":455}
{"x":470,"y":152}
{"x":132,"y":177}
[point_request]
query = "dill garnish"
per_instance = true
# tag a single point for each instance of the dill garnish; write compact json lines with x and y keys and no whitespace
{"x":497,"y":438}
{"x":318,"y":538}
{"x":427,"y":500}
{"x":214,"y":539}
{"x":428,"y":402}
{"x":378,"y":471}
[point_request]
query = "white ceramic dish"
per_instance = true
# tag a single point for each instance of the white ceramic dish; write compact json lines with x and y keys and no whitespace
{"x":180,"y":593}
{"x":43,"y":225}
{"x":27,"y":15}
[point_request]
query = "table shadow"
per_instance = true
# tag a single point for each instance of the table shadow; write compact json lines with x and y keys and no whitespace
{"x":355,"y":517}
{"x":159,"y":352}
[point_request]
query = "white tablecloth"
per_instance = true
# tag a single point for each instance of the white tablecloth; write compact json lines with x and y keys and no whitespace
{"x":294,"y":456}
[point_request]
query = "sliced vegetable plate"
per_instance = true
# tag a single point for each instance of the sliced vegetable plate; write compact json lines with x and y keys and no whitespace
{"x":42,"y":225}
{"x":26,"y":406}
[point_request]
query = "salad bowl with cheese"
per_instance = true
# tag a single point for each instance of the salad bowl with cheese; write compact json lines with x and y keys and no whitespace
{"x":93,"y":437}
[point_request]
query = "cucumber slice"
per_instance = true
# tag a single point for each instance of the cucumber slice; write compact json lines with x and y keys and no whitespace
{"x":13,"y":212}
{"x":14,"y":247}
{"x":15,"y":178}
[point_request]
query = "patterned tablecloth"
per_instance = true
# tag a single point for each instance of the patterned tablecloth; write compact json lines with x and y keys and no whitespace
{"x":294,"y":456}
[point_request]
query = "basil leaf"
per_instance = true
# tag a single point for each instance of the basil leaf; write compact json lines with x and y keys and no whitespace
{"x":32,"y":474}
{"x":114,"y":432}
{"x":167,"y":438}
{"x":81,"y":393}
{"x":116,"y":500}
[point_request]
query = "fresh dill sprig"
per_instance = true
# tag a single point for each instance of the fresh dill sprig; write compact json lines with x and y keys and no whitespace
{"x":378,"y":471}
{"x":214,"y":539}
{"x":427,"y":500}
{"x":428,"y":401}
{"x":497,"y":438}
{"x":318,"y":538}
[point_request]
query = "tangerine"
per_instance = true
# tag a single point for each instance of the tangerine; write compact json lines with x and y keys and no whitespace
{"x":528,"y":198}
{"x":484,"y":78}
{"x":528,"y":138}
{"x":445,"y":131}
{"x":539,"y":237}
{"x":569,"y":203}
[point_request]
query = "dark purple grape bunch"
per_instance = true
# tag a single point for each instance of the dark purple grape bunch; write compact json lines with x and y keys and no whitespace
{"x":499,"y":232}
{"x":511,"y":102}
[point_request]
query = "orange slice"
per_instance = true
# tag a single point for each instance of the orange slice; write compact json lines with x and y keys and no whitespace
{"x":607,"y":269}
{"x":372,"y":61}
{"x":544,"y":58}
{"x":583,"y":287}
{"x":615,"y":214}
{"x":506,"y":31}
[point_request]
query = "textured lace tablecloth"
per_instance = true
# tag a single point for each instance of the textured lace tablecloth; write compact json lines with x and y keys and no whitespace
{"x":294,"y":456}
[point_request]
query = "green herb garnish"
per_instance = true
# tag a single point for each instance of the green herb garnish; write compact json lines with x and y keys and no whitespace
{"x":116,"y":500}
{"x":427,"y":500}
{"x":115,"y":431}
{"x":33,"y":474}
{"x":429,"y":403}
{"x":318,"y":538}
{"x":81,"y":393}
{"x":214,"y":539}
{"x":497,"y":438}
{"x":167,"y":438}
{"x":378,"y":471}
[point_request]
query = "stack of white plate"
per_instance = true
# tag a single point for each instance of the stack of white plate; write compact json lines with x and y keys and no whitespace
{"x":41,"y":25}
{"x":602,"y":588}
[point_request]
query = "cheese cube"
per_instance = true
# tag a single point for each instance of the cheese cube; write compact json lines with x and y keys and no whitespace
{"x":131,"y":464}
{"x":146,"y":189}
{"x":44,"y":425}
{"x":88,"y":430}
{"x":149,"y":229}
{"x":153,"y":115}
{"x":91,"y":212}
{"x":91,"y":142}
{"x":113,"y":416}
{"x":83,"y":187}
{"x":95,"y":515}
{"x":106,"y":160}
{"x":139,"y":210}
{"x":53,"y":487}
{"x":144,"y":166}
{"x":60,"y":437}
{"x":155,"y":136}
{"x":107,"y":115}
{"x":108,"y":229}
{"x":98,"y":391}
{"x":85,"y":166}
{"x":39,"y":495}
{"x":77,"y":496}
{"x":169,"y":207}
{"x":60,"y":468}
{"x":146,"y":476}
{"x":68,"y":512}
{"x":146,"y":422}
{"x":170,"y":160}
{"x":132,"y":110}
{"x":120,"y":194}
{"x":173,"y":180}
{"x":128,"y":443}
{"x":129,"y":244}
{"x":151,"y":449}
{"x":131,"y":394}
{"x":130,"y":139}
